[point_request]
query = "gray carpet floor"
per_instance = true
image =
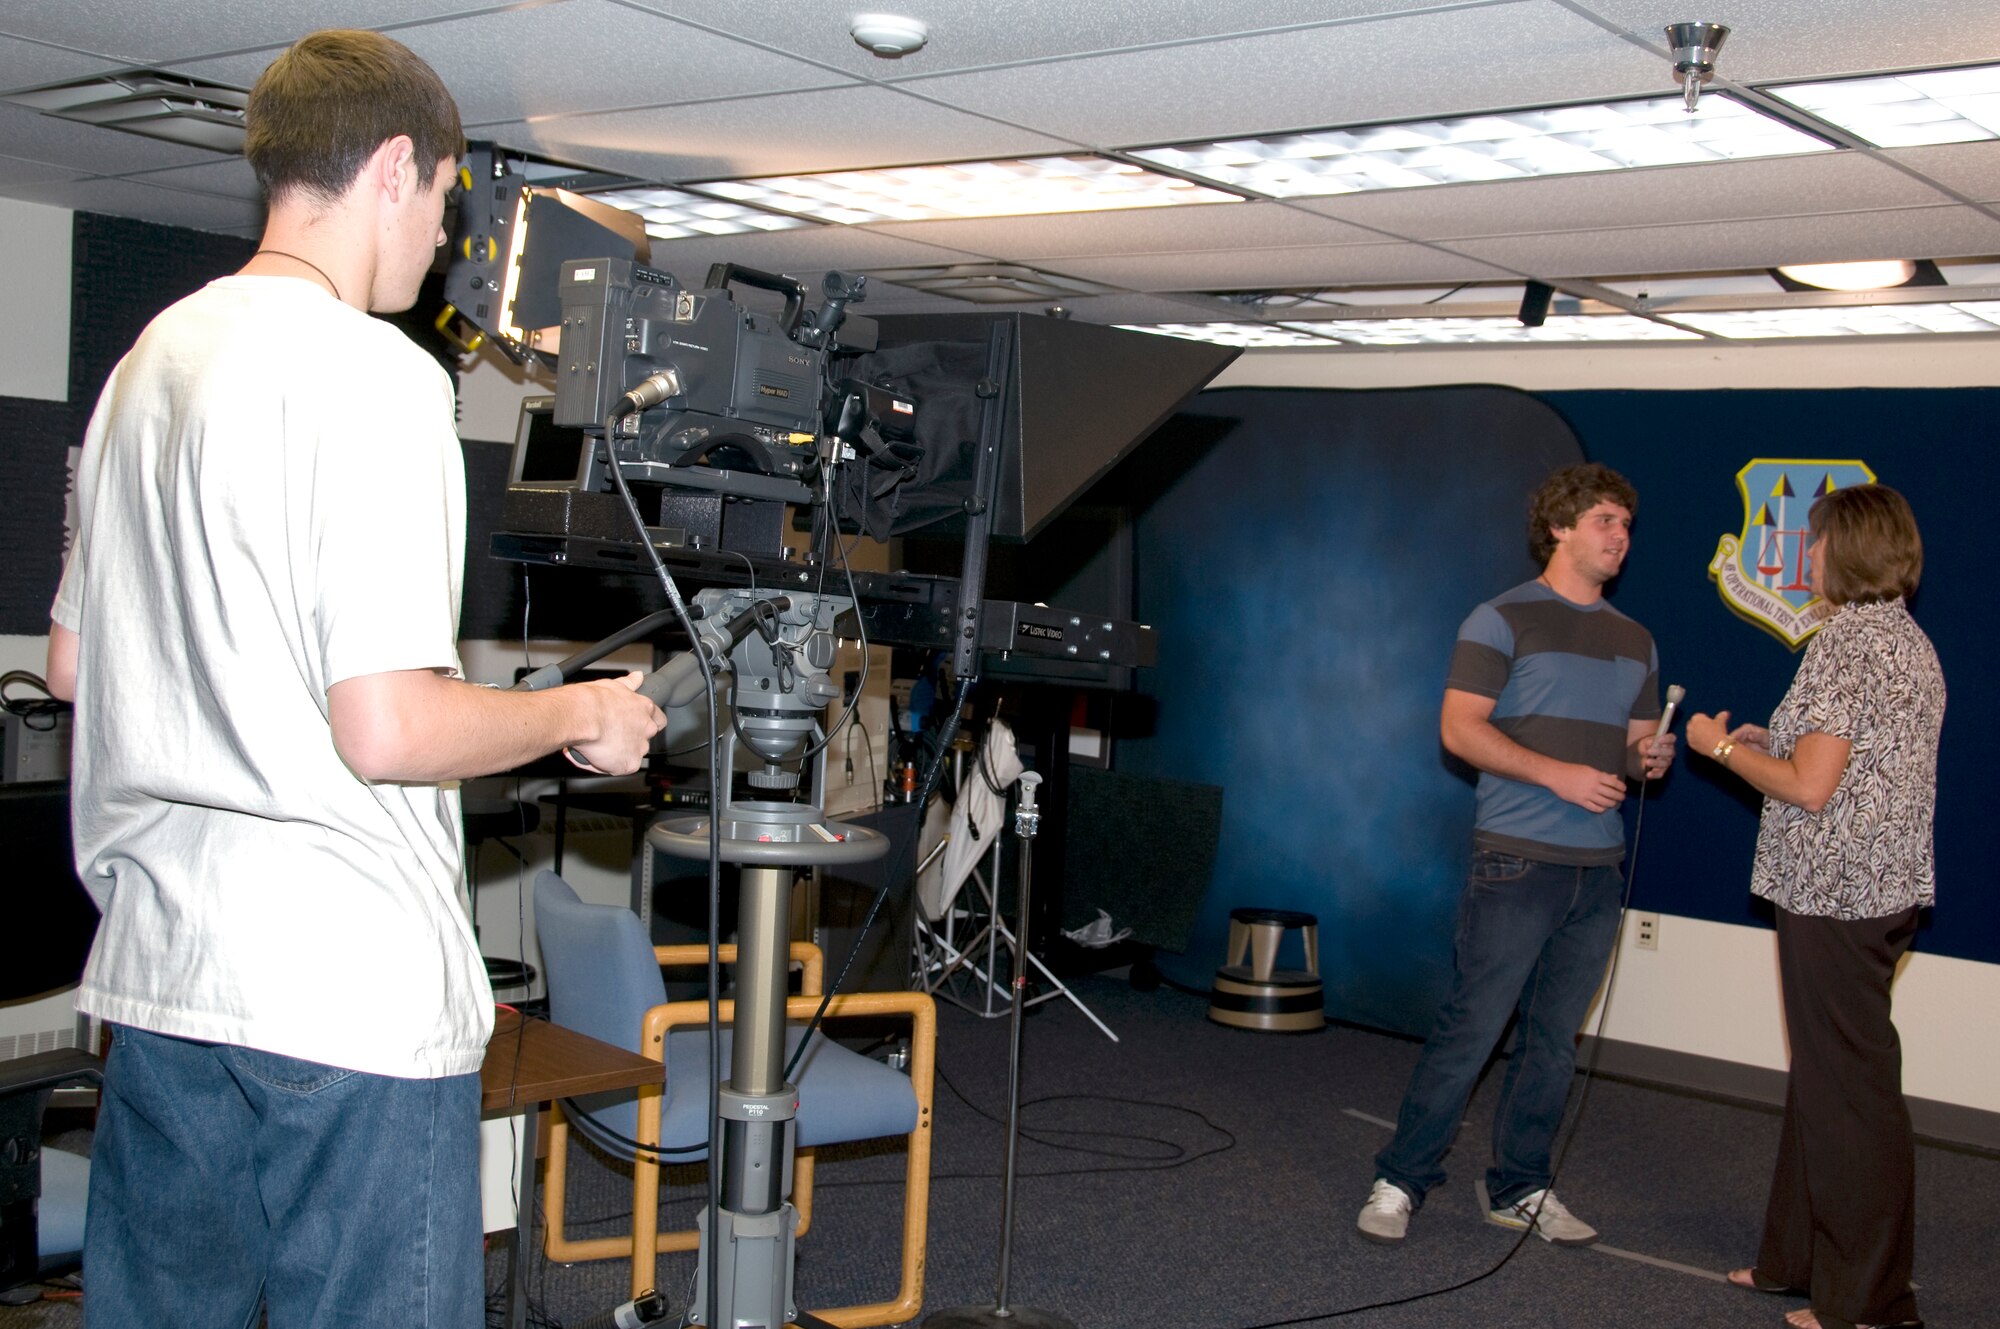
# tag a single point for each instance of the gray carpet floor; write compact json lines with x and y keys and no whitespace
{"x":1198,"y":1177}
{"x":1192,"y":1176}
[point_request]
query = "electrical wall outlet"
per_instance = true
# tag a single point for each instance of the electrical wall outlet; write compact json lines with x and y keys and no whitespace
{"x":1646,"y":931}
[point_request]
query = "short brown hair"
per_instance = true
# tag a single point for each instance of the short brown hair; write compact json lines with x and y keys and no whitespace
{"x":322,"y":108}
{"x":1872,"y":551}
{"x":1567,"y":495}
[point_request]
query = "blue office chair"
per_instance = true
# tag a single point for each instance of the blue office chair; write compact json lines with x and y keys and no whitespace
{"x":42,"y":1191}
{"x":604,"y":980}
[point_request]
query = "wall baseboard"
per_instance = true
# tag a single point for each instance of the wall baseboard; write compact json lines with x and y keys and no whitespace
{"x":1935,"y":1122}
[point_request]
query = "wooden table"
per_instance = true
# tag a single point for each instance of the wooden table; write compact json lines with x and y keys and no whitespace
{"x":530,"y":1063}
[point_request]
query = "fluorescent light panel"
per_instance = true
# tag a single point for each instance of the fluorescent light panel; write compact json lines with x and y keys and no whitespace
{"x":1251,"y":335}
{"x":1013,"y":188}
{"x":1563,"y":140}
{"x":1906,"y":110}
{"x":672,"y":214}
{"x":1323,"y":333}
{"x":1460,"y":331}
{"x":1848,"y":321}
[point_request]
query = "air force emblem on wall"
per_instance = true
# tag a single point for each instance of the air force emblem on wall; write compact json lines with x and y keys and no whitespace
{"x":1761,"y":572}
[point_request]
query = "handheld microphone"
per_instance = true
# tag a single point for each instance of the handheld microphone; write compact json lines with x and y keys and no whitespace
{"x":1674,"y":694}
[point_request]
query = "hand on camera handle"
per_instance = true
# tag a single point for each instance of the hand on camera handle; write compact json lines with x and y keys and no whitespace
{"x":626,"y":722}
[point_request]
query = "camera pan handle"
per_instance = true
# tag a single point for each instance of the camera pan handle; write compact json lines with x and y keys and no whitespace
{"x":722,"y":275}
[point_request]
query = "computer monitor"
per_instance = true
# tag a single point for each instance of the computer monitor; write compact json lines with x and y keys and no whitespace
{"x":546,"y":454}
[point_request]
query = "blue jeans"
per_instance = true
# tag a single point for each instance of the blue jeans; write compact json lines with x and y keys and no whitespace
{"x":223,"y":1180}
{"x":1532,"y":937}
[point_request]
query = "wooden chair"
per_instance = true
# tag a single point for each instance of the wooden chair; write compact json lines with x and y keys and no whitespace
{"x":604,"y":980}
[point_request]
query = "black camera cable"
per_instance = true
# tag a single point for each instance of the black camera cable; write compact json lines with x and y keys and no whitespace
{"x":1575,"y":1118}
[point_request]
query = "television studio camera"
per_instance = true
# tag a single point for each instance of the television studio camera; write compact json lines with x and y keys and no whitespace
{"x":686,"y":428}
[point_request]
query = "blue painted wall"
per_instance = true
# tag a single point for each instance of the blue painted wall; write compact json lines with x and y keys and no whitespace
{"x":1307,"y":566}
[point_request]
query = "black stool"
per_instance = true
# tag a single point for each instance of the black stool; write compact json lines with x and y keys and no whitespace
{"x":1260,"y":995}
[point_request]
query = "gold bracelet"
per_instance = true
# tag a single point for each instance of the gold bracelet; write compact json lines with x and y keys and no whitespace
{"x":1722,"y":751}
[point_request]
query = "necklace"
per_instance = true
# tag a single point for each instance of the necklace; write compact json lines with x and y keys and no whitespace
{"x":279,"y":253}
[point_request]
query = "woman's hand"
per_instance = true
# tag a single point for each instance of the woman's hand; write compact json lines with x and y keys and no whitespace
{"x":1752,"y":736}
{"x":1706,"y":732}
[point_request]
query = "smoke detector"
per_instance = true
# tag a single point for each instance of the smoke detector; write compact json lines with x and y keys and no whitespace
{"x":890,"y":36}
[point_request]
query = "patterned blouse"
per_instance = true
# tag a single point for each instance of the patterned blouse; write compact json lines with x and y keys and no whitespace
{"x":1869,"y":676}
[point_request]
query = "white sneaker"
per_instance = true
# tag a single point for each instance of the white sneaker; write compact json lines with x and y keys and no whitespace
{"x":1542,"y":1211}
{"x":1386,"y":1216}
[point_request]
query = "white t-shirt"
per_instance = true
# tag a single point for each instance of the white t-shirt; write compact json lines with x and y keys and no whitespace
{"x":271,"y":498}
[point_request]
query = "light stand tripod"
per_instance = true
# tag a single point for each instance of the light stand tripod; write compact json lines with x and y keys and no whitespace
{"x":1027,"y":820}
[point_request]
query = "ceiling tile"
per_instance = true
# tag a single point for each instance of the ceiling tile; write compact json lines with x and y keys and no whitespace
{"x":1781,"y":39}
{"x":574,"y":44}
{"x":1529,"y":53}
{"x":230,"y":177}
{"x":1973,"y":169}
{"x":88,"y":148}
{"x":1714,"y":191}
{"x":973,"y":33}
{"x":25,"y":64}
{"x":1332,"y":265}
{"x":128,"y":198}
{"x":773,"y":135}
{"x":147,"y":32}
{"x":1943,"y":232}
{"x":16,"y":172}
{"x":1219,"y":226}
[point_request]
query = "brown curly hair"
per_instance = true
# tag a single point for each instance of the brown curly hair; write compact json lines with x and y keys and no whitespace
{"x":1567,"y":495}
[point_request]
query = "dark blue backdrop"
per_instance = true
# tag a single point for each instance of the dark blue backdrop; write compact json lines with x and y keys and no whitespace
{"x":1682,"y":450}
{"x":1307,"y":556}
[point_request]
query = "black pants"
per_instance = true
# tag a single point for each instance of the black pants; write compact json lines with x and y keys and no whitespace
{"x":1842,"y":1217}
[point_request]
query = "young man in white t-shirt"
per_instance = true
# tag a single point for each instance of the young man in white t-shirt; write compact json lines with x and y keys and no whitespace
{"x":258,"y":624}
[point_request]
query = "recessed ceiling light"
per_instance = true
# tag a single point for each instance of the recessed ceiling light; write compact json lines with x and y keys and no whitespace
{"x":1873,"y":275}
{"x":671,"y":214}
{"x":1562,"y":140}
{"x":1836,"y":321}
{"x":1906,"y":110}
{"x":1252,"y":335}
{"x":1012,"y":188}
{"x":1447,"y":331}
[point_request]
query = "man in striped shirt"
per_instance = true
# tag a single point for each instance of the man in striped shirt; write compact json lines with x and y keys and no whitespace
{"x":1553,"y":696}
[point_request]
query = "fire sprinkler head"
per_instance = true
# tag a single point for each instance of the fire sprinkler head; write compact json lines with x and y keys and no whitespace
{"x":1695,"y":47}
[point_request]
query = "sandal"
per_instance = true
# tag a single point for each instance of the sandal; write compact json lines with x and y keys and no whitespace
{"x":1810,"y":1319}
{"x":1752,"y":1280}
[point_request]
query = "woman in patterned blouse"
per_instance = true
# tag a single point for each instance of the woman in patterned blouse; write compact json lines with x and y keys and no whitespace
{"x":1848,"y":770}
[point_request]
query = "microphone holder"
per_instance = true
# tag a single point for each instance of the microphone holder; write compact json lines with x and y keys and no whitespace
{"x":1000,"y":1315}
